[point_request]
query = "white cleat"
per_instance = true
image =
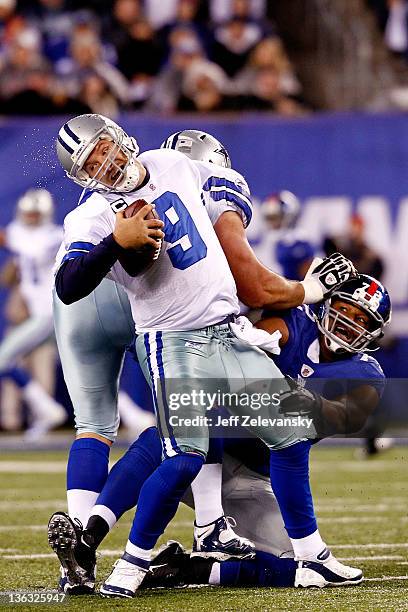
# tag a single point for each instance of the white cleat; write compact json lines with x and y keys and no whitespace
{"x":124,"y":580}
{"x":219,"y":541}
{"x":325,"y":571}
{"x":42,"y":425}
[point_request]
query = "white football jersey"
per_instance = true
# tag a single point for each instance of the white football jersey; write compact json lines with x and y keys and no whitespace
{"x":190,"y":286}
{"x":34,"y":248}
{"x":224,"y":190}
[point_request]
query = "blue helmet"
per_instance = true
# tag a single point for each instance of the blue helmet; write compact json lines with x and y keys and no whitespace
{"x":342,"y":334}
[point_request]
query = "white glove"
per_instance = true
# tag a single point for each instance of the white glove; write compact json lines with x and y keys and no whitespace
{"x":325,"y":275}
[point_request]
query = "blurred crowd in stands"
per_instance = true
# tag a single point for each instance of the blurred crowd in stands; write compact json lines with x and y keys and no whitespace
{"x":74,"y":56}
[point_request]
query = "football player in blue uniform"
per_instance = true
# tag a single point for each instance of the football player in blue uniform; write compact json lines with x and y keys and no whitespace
{"x":284,"y":247}
{"x":327,"y":351}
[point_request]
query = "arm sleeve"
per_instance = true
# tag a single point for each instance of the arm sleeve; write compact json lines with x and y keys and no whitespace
{"x":81,"y":271}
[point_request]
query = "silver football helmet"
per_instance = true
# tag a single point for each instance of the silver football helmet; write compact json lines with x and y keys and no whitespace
{"x":199,"y":146}
{"x":35,"y":201}
{"x":76,"y":141}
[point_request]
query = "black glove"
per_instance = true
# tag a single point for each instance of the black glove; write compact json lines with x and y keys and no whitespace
{"x":298,"y":401}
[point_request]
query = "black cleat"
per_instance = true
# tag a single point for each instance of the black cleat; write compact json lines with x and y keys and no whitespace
{"x":173,"y":567}
{"x":78,"y":560}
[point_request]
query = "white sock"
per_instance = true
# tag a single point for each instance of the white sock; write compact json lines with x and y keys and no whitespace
{"x":215,"y":574}
{"x":105,"y":513}
{"x":206,"y":488}
{"x":41,"y":404}
{"x":308,"y":547}
{"x":141,"y":553}
{"x":81,"y":503}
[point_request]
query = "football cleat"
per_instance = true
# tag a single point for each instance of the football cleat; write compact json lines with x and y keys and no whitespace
{"x":218,"y":541}
{"x":166,"y":568}
{"x":125,"y":578}
{"x":78,"y":560}
{"x":324,"y":571}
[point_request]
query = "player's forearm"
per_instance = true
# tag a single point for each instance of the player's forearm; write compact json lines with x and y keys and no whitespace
{"x":343,"y":416}
{"x":262,"y":288}
{"x":78,"y":277}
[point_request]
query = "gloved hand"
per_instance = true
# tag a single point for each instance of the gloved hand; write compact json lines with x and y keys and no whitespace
{"x":325,"y":275}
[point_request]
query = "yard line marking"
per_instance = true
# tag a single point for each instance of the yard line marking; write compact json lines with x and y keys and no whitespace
{"x":33,"y":467}
{"x":106,"y":553}
{"x":43,"y":504}
{"x":363,"y":508}
{"x":8,"y":550}
{"x":351,"y":501}
{"x":6,"y":528}
{"x":385,"y":578}
{"x":373,"y":545}
{"x":354,"y":466}
{"x":373,"y":558}
{"x":354,"y":519}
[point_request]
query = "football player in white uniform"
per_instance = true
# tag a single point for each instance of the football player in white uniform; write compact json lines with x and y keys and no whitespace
{"x":92,"y":336}
{"x":33,"y":239}
{"x":183,"y":304}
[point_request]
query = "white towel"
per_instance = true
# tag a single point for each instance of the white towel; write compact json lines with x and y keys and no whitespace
{"x":245,"y":331}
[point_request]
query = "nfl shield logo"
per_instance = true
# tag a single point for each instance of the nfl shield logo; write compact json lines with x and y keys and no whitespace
{"x":306,"y":371}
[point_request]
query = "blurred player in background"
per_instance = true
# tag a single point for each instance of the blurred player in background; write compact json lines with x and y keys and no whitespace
{"x":33,"y":239}
{"x":284,"y":247}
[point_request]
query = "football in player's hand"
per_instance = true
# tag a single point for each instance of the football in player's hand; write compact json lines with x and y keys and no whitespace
{"x":134,"y":208}
{"x":137,"y":261}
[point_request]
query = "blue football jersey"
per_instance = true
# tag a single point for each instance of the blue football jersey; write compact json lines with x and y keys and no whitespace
{"x":300,"y":359}
{"x":291,"y":252}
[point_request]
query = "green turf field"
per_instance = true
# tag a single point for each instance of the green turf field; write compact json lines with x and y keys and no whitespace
{"x":362,"y":508}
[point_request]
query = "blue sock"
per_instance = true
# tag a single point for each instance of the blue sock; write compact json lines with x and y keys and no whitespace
{"x":88,"y":465}
{"x":18,"y":375}
{"x":160,"y":496}
{"x":125,"y":480}
{"x":265,"y":570}
{"x":215,"y":450}
{"x":289,"y":471}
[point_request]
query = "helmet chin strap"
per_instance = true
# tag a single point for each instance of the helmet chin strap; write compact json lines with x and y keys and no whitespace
{"x":132,"y":177}
{"x":333,"y":346}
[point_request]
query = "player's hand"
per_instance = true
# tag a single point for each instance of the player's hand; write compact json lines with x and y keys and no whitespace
{"x":331,"y":272}
{"x":137,"y":232}
{"x":300,"y":402}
